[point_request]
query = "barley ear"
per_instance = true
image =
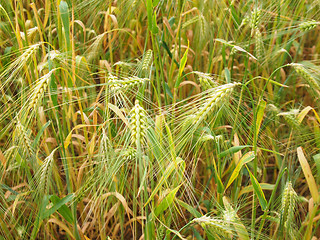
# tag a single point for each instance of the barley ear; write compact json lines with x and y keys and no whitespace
{"x":302,"y":71}
{"x":147,"y":60}
{"x":215,"y":226}
{"x":288,"y":205}
{"x":308,"y":25}
{"x":39,"y":90}
{"x":138,"y":124}
{"x":45,"y":173}
{"x":216,"y":97}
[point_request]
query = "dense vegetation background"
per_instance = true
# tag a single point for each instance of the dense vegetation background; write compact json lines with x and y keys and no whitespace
{"x":153,"y":119}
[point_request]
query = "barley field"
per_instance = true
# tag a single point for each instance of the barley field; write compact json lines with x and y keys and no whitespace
{"x":154,"y":119}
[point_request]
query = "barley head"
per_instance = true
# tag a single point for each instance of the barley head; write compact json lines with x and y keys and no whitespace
{"x":39,"y":89}
{"x":23,"y":133}
{"x":147,"y":60}
{"x":216,"y":97}
{"x":205,"y":80}
{"x":117,"y":85}
{"x":138,"y":124}
{"x":45,"y":172}
{"x":255,"y":18}
{"x":288,"y":204}
{"x":214,"y":225}
{"x":306,"y":75}
{"x":306,"y":26}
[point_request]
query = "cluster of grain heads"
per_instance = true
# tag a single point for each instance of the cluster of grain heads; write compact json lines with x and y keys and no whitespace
{"x":138,"y":124}
{"x":216,"y":227}
{"x":215,"y":98}
{"x":306,"y":26}
{"x":288,"y":205}
{"x":45,"y":173}
{"x":39,"y":89}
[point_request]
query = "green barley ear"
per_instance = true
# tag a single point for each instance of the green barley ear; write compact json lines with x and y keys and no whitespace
{"x":160,"y":232}
{"x":22,"y":135}
{"x":258,"y":44}
{"x":288,"y":205}
{"x":272,"y":108}
{"x":190,"y":22}
{"x":302,"y":71}
{"x":214,"y":226}
{"x":39,"y":89}
{"x":255,"y":19}
{"x":205,"y":80}
{"x":203,"y":27}
{"x":291,"y":118}
{"x":215,"y":98}
{"x":147,"y":60}
{"x":94,"y":50}
{"x":104,"y":148}
{"x":117,"y":85}
{"x":138,"y":124}
{"x":45,"y":173}
{"x":245,"y":21}
{"x":306,"y":26}
{"x":129,"y":154}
